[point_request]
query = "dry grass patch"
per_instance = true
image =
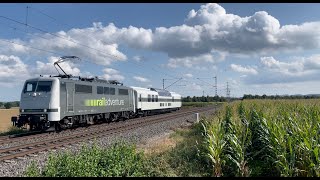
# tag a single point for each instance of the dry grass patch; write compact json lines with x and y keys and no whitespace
{"x":5,"y":118}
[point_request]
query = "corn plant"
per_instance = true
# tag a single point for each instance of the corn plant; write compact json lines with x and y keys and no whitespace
{"x":213,"y":145}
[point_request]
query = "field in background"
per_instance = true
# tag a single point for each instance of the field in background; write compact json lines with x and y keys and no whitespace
{"x":198,"y":104}
{"x":5,"y":118}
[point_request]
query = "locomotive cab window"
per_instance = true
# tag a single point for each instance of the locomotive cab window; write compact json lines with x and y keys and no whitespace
{"x":99,"y":90}
{"x":40,"y":86}
{"x":30,"y":86}
{"x":156,"y":98}
{"x":44,"y":86}
{"x":152,"y":98}
{"x":140,"y":99}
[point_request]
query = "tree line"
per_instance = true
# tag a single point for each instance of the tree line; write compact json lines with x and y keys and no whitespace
{"x":8,"y":105}
{"x":245,"y":96}
{"x":250,"y":96}
{"x":205,"y":99}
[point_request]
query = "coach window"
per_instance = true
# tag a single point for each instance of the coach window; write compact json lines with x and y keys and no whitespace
{"x":99,"y":90}
{"x":149,"y":98}
{"x":152,"y":98}
{"x":112,"y":91}
{"x":156,"y":98}
{"x":140,"y":99}
{"x":172,"y":99}
{"x":106,"y":90}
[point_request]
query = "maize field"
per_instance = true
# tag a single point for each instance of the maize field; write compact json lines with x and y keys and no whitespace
{"x":263,"y":138}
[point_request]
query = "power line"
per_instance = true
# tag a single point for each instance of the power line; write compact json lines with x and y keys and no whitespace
{"x":31,"y":47}
{"x":54,"y":19}
{"x":44,"y":31}
{"x":69,"y":25}
{"x":173,"y":83}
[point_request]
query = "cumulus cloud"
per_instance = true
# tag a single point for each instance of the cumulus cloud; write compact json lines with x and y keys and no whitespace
{"x":190,"y":61}
{"x":141,"y":79}
{"x":276,"y":71}
{"x":241,"y":69}
{"x":209,"y":28}
{"x":12,"y":70}
{"x":208,"y":34}
{"x":112,"y":74}
{"x":48,"y":68}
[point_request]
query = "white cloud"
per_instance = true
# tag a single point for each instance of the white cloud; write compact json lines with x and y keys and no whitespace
{"x":188,"y":75}
{"x":137,"y":58}
{"x":207,"y":29}
{"x":141,"y":79}
{"x":112,"y":74}
{"x":190,"y":61}
{"x":241,"y":69}
{"x":194,"y":86}
{"x":274,"y":71}
{"x":48,"y":68}
{"x":12,"y":70}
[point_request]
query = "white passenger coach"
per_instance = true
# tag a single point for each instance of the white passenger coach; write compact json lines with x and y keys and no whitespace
{"x":152,"y":100}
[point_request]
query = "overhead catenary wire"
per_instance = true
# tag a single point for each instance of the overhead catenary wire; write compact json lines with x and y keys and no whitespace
{"x":73,"y":41}
{"x":58,"y":36}
{"x":41,"y":12}
{"x":44,"y":31}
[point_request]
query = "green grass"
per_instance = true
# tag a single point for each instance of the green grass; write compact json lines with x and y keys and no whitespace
{"x":124,"y":160}
{"x":13,"y":130}
{"x":120,"y":160}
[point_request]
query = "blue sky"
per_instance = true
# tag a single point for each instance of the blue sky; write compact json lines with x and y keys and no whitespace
{"x":258,"y":48}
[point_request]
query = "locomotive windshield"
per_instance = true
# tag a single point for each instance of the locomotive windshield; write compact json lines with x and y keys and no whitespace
{"x":37,"y":86}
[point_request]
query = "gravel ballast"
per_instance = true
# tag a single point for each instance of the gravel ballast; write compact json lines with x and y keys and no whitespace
{"x":16,"y":167}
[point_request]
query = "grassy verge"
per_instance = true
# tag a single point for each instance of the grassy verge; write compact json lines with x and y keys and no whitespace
{"x":13,"y":130}
{"x":121,"y":159}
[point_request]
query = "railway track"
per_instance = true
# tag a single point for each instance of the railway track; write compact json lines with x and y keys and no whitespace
{"x":38,"y":134}
{"x":90,"y":133}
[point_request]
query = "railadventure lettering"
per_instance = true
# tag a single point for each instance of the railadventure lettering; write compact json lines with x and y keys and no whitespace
{"x":103,"y":102}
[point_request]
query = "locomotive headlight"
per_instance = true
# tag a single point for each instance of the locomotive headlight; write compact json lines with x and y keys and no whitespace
{"x":22,"y":110}
{"x":45,"y":110}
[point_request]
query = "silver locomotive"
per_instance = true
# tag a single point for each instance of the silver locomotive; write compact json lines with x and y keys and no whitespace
{"x":65,"y":101}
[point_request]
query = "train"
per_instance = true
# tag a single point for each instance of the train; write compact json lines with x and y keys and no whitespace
{"x":66,"y":101}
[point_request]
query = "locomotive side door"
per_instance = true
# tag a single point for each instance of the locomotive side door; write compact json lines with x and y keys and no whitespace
{"x":70,"y":96}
